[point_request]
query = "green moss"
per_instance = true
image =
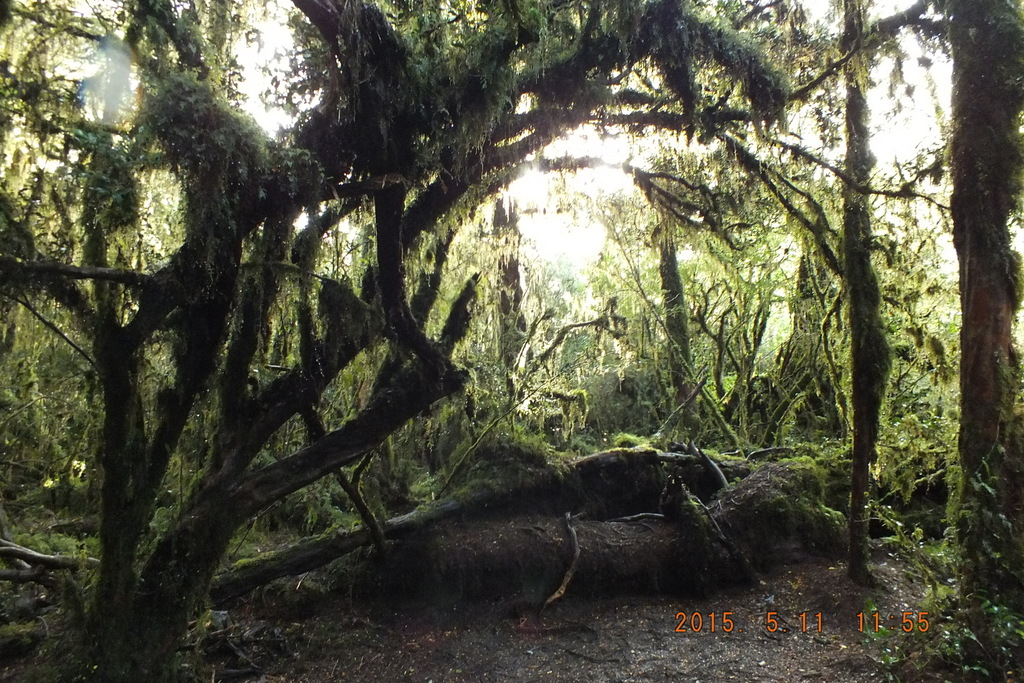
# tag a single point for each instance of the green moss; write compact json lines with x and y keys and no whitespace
{"x":181,"y":105}
{"x":505,"y":462}
{"x":784,"y":504}
{"x":830,"y":464}
{"x":627,"y":440}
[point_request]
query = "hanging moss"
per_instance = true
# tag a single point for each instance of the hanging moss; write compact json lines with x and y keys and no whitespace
{"x":178,"y":106}
{"x":111,"y":193}
{"x":681,"y":42}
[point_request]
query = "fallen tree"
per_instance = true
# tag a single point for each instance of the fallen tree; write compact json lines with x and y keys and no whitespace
{"x":637,"y":528}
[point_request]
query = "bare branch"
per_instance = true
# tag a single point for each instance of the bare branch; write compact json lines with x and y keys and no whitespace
{"x":905,"y":192}
{"x":125,"y":277}
{"x":13,"y":550}
{"x":53,"y":327}
{"x":22,"y":575}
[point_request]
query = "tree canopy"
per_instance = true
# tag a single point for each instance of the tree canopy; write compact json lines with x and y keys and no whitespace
{"x":205,"y":321}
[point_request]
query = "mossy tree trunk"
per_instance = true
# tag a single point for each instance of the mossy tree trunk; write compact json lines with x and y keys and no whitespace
{"x":512,"y":329}
{"x":136,"y":620}
{"x":148,"y":590}
{"x":150,"y":585}
{"x":987,"y":38}
{"x":869,"y":361}
{"x":677,"y":321}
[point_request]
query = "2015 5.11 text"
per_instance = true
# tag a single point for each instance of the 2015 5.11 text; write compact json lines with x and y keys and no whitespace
{"x":802,"y":622}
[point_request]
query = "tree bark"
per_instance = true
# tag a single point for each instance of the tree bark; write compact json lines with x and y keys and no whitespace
{"x":677,"y":324}
{"x":149,"y":611}
{"x":987,"y":38}
{"x":869,"y":346}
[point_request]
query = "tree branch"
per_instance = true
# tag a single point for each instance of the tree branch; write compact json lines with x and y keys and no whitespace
{"x":883,"y":29}
{"x":126,"y":277}
{"x":818,"y":228}
{"x":410,"y":392}
{"x":831,"y":69}
{"x":600,"y":323}
{"x":13,"y":550}
{"x":53,"y":327}
{"x":912,"y":16}
{"x":904,"y":192}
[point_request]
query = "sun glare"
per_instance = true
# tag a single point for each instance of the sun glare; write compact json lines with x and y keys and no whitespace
{"x":266,"y":46}
{"x":555,"y":231}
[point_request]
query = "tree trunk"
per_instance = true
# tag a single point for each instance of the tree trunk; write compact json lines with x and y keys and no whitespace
{"x":987,"y":38}
{"x":869,"y":347}
{"x":140,"y":637}
{"x":137,"y":621}
{"x":677,"y":325}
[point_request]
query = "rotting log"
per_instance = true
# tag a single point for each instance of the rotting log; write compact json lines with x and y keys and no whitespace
{"x":772,"y":517}
{"x":317,"y":551}
{"x":604,"y":485}
{"x":466,"y":547}
{"x":524,"y":559}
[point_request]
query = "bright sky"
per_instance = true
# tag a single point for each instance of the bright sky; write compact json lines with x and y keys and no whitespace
{"x":553,"y":233}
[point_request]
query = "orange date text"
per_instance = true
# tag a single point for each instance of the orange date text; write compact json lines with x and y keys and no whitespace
{"x":710,"y":622}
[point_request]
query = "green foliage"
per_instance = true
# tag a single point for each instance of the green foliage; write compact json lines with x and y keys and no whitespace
{"x":260,"y":265}
{"x":504,"y":461}
{"x":111,"y":191}
{"x":627,"y":440}
{"x":983,"y":646}
{"x":932,"y":561}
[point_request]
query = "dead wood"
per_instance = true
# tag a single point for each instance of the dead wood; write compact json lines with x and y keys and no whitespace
{"x":480,"y":544}
{"x":32,"y":566}
{"x":567,"y":579}
{"x":9,"y":549}
{"x":522,"y":560}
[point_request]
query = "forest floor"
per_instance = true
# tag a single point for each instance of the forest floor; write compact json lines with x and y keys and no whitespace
{"x":298,"y":632}
{"x":321,"y":638}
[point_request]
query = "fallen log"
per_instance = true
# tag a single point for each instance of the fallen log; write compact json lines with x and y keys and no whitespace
{"x":481,"y":543}
{"x":771,"y":517}
{"x":777,"y":515}
{"x":609,"y":484}
{"x":524,"y":559}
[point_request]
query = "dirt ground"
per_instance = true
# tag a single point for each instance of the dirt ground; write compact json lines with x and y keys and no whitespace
{"x":297,"y":632}
{"x":321,"y":638}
